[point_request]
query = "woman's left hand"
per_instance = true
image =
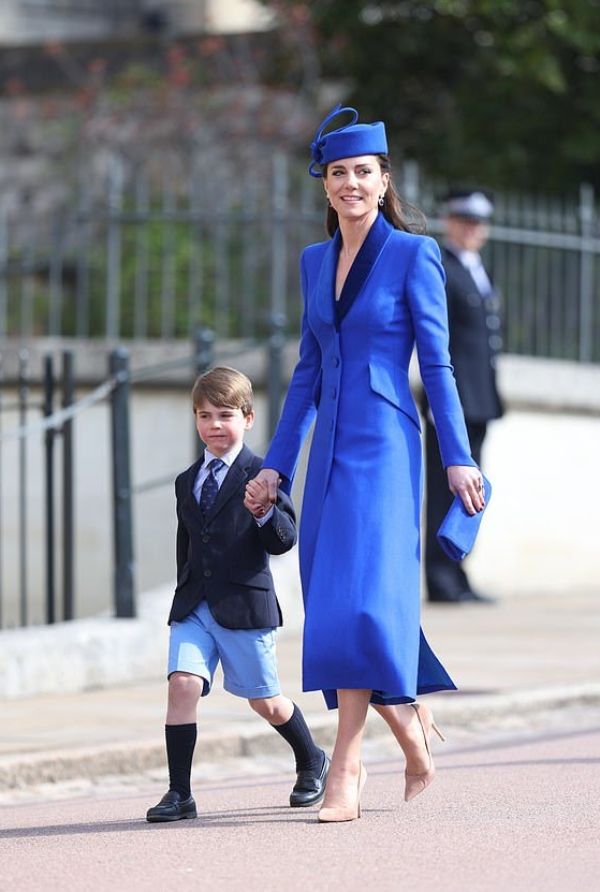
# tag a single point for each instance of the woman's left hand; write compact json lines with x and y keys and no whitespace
{"x":467,"y":482}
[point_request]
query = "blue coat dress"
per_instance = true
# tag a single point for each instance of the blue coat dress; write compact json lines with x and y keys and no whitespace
{"x":360,"y":524}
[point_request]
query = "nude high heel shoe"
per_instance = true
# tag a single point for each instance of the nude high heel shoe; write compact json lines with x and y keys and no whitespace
{"x":333,"y":814}
{"x":417,"y":783}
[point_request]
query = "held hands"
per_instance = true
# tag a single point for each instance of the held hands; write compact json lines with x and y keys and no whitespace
{"x":261,"y":492}
{"x":467,"y":482}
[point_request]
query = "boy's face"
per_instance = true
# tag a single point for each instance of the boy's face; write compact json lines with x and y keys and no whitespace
{"x":221,"y":428}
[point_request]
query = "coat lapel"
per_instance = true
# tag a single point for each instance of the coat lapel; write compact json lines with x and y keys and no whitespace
{"x":362,"y":267}
{"x":326,"y":282}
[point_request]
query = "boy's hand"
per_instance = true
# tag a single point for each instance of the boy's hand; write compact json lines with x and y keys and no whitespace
{"x":257,"y":499}
{"x":271,"y":478}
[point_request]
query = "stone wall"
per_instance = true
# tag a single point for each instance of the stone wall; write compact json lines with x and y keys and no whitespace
{"x":64,"y":110}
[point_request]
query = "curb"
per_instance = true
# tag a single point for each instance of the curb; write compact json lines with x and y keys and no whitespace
{"x":135,"y":757}
{"x":239,"y":740}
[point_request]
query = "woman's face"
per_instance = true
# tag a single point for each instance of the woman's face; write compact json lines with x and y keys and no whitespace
{"x":354,"y":186}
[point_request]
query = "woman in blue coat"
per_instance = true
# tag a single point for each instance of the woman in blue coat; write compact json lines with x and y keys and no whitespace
{"x":371,"y":292}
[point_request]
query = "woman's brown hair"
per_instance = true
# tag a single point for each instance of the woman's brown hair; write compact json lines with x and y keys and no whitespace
{"x":399,"y":213}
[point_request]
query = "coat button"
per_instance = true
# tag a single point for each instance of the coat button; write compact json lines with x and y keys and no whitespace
{"x":206,"y":539}
{"x":207,"y":574}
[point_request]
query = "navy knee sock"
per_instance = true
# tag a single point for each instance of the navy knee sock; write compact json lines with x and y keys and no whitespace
{"x":309,"y":757}
{"x":180,"y":740}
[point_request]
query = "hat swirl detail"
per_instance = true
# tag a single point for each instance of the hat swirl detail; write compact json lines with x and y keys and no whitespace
{"x":318,"y":143}
{"x":349,"y":140}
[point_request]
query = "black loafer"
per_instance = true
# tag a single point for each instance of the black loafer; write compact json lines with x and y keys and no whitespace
{"x":172,"y":807}
{"x":310,"y":787}
{"x":465,"y":597}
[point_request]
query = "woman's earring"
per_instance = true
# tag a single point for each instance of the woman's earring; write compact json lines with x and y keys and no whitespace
{"x":380,"y":201}
{"x":328,"y":201}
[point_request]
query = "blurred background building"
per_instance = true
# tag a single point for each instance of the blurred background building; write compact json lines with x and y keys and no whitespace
{"x":27,"y":22}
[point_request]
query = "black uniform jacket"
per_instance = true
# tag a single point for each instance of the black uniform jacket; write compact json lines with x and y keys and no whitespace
{"x":475,"y":339}
{"x":224,"y":557}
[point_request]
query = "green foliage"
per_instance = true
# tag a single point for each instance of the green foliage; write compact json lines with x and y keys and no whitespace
{"x":498,"y":91}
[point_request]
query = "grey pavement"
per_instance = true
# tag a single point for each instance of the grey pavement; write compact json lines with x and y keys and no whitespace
{"x":521,"y":656}
{"x":516,"y":814}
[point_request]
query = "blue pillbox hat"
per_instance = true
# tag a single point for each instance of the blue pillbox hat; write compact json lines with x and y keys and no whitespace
{"x":347,"y":141}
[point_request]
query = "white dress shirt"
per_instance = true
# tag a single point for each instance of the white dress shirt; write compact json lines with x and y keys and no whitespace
{"x":471,"y":260}
{"x":228,"y":458}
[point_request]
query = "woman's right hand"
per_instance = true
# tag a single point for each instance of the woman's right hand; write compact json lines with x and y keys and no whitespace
{"x":467,"y":482}
{"x":271,"y":479}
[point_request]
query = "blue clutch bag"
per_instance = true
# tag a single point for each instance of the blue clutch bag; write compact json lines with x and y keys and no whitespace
{"x":459,"y":529}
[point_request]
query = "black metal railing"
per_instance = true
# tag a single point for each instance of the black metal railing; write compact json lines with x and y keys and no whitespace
{"x":39,"y":421}
{"x":148,"y":256}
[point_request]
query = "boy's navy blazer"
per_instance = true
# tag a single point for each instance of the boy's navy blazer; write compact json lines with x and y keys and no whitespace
{"x":223,"y":558}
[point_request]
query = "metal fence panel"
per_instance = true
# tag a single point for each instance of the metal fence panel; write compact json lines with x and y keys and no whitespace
{"x":154,"y":251}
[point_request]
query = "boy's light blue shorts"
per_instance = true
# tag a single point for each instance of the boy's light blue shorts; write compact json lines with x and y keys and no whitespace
{"x":247,"y":656}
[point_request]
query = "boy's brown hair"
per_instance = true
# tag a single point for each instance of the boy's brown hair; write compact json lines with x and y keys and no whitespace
{"x":224,"y":387}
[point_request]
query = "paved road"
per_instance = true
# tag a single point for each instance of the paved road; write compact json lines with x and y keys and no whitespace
{"x":511,"y":809}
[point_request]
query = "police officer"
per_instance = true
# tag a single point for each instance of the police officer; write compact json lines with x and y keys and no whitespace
{"x":475,"y":340}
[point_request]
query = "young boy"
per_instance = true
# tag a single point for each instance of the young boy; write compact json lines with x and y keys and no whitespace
{"x":225,"y":607}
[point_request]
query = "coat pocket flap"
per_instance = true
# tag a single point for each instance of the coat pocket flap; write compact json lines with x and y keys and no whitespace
{"x":393,"y":386}
{"x":251,"y":578}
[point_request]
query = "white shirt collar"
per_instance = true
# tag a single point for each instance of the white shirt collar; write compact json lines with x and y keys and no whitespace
{"x":470,"y":259}
{"x":228,"y":458}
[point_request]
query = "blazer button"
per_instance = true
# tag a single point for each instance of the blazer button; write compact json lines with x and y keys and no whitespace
{"x":207,"y":574}
{"x":206,"y":539}
{"x":336,"y":361}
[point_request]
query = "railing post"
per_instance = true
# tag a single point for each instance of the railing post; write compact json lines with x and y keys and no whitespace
{"x":48,"y":408}
{"x":68,"y":394}
{"x":204,"y":354}
{"x":1,"y":494}
{"x":275,"y":382}
{"x":204,"y":349}
{"x":4,"y":255}
{"x":122,"y":515}
{"x":114,"y":248}
{"x":279,"y":219}
{"x":586,"y":272}
{"x":410,"y":181}
{"x":23,"y":404}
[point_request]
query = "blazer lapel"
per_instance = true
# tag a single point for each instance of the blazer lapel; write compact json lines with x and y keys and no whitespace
{"x":191,"y":479}
{"x":463,"y":271}
{"x":236,"y":476}
{"x":362,"y":266}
